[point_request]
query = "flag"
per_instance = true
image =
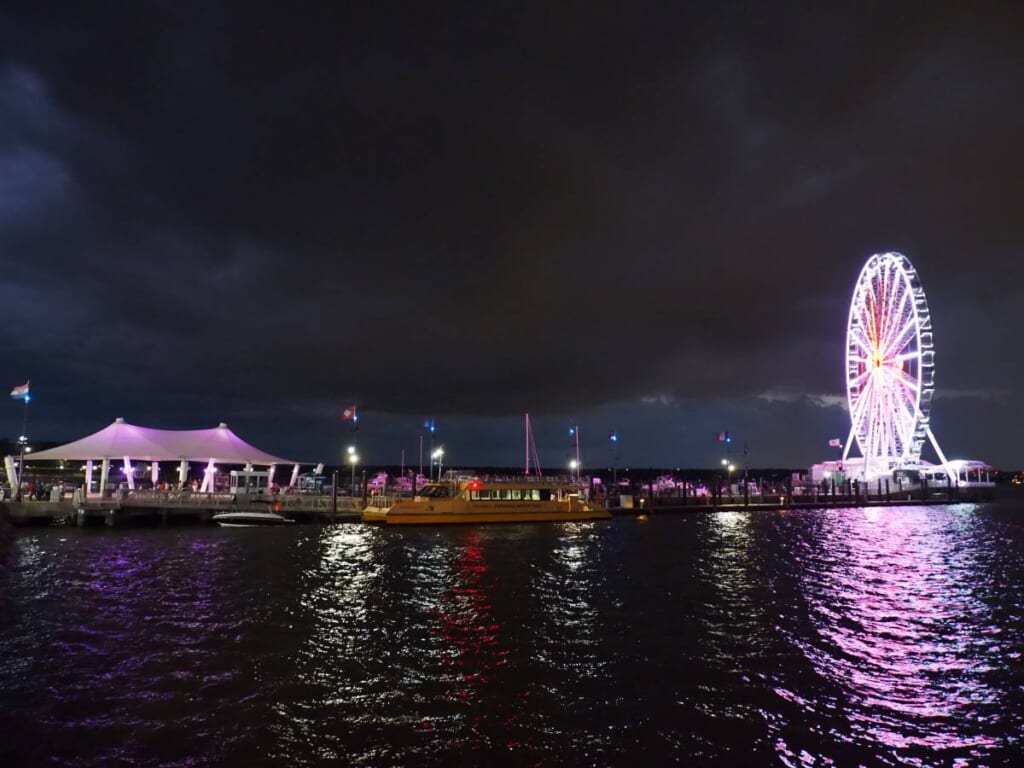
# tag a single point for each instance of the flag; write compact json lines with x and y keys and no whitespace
{"x":349,"y":414}
{"x":20,"y":392}
{"x":723,"y":437}
{"x":835,"y":442}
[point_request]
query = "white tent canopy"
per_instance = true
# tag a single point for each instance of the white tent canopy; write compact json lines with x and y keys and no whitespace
{"x":120,"y":440}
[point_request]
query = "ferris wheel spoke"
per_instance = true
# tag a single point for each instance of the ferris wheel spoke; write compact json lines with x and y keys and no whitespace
{"x":901,"y":377}
{"x":884,"y":307}
{"x":871,"y":320}
{"x":906,"y":421}
{"x":895,"y":308}
{"x":893,"y":426}
{"x":863,"y":402}
{"x":860,"y":339}
{"x":905,"y":427}
{"x":900,"y":340}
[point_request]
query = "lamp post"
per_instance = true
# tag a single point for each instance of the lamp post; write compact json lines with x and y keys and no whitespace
{"x":22,"y":444}
{"x":353,"y":459}
{"x":574,"y":433}
{"x":574,"y":469}
{"x":613,"y":436}
{"x":439,"y":456}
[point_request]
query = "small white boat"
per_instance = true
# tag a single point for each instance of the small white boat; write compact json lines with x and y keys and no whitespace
{"x":249,"y":519}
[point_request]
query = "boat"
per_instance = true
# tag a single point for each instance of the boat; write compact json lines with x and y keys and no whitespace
{"x":472,"y":500}
{"x":249,"y":519}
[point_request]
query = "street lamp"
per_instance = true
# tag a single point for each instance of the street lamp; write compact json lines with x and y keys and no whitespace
{"x":23,"y":445}
{"x":353,"y":459}
{"x":574,"y":469}
{"x":439,"y":455}
{"x":613,"y":437}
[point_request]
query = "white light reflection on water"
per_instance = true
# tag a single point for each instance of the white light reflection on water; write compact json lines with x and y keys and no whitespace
{"x":898,"y":634}
{"x":564,"y":585}
{"x":338,"y":661}
{"x":569,"y":672}
{"x":730,"y":639}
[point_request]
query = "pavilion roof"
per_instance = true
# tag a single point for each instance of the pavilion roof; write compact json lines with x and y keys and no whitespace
{"x":121,"y":439}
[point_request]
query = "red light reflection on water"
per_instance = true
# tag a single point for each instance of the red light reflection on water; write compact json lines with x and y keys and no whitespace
{"x":466,"y":624}
{"x":897,"y":629}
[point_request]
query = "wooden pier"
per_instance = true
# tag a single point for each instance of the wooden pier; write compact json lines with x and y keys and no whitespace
{"x":172,"y":507}
{"x":164,"y":507}
{"x":835,"y":497}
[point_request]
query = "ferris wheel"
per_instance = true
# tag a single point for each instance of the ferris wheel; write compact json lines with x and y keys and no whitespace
{"x":890,"y":366}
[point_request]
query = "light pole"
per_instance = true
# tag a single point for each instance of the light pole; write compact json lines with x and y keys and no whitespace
{"x":353,"y":459}
{"x":22,"y":444}
{"x":574,"y":432}
{"x":613,"y":436}
{"x":574,"y":469}
{"x":439,"y":456}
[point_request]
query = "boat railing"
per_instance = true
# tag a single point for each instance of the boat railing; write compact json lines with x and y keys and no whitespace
{"x":381,"y":501}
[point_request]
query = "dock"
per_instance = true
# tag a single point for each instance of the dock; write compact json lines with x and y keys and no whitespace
{"x":151,"y":507}
{"x":791,"y":499}
{"x":170,"y":507}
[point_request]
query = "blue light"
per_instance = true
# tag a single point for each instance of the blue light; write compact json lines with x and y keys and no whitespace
{"x":613,"y":436}
{"x":572,"y":431}
{"x":27,"y":397}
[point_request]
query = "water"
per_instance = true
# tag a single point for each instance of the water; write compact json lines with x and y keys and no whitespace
{"x":842,"y":637}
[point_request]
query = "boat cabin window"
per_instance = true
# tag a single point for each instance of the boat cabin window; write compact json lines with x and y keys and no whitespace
{"x":511,"y":495}
{"x":434,"y":491}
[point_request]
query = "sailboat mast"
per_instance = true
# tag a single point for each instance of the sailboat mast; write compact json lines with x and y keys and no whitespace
{"x":526,"y":471}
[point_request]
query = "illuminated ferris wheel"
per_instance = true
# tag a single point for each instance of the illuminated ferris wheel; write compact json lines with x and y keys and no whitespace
{"x":890,"y":366}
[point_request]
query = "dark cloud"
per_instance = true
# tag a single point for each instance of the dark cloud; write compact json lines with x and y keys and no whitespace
{"x":230,"y":211}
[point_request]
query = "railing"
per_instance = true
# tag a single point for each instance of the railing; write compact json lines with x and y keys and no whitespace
{"x":191,"y":499}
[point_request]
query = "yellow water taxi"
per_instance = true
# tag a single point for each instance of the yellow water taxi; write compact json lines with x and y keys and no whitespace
{"x":474,"y":500}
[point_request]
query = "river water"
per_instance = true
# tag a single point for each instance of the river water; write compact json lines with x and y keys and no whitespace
{"x":812,"y":638}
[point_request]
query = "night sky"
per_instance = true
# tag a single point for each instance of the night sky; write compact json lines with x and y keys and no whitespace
{"x":630,"y":218}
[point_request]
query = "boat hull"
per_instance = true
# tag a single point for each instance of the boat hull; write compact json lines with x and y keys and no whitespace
{"x":402,"y":517}
{"x":249,"y":519}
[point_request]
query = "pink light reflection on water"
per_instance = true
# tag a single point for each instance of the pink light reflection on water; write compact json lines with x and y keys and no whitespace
{"x":897,"y":627}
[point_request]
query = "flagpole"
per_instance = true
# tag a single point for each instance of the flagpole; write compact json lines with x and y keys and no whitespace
{"x":746,"y":460}
{"x":22,"y":439}
{"x":24,"y":418}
